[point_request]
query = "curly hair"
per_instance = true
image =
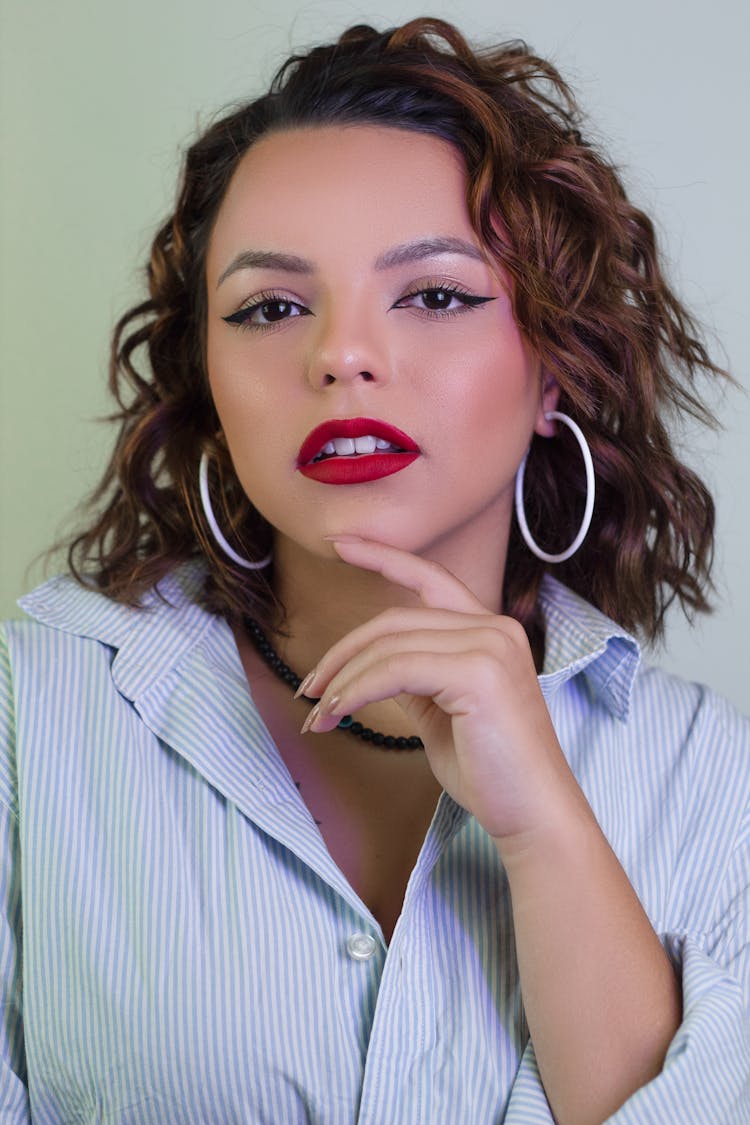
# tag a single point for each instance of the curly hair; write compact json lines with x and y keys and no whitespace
{"x":589,"y":295}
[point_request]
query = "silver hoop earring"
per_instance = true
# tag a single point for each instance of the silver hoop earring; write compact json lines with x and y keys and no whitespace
{"x":209,"y":514}
{"x":590,"y":495}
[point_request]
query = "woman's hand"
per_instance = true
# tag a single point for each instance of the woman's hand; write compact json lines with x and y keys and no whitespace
{"x":599,"y":993}
{"x":466,"y":679}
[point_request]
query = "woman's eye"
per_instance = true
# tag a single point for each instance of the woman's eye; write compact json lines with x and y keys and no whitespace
{"x":436,"y":300}
{"x":266,"y":312}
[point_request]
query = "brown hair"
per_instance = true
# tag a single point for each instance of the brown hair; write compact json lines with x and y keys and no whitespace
{"x":589,"y":295}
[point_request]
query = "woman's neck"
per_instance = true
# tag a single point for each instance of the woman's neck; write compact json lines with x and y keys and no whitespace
{"x":325,"y":598}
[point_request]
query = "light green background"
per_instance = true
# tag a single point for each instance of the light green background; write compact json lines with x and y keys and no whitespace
{"x":97,"y":98}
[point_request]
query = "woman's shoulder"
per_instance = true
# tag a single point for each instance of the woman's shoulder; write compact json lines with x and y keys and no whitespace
{"x":80,"y":659}
{"x":68,"y":606}
{"x":696,"y":734}
{"x":70,"y":626}
{"x":656,"y":689}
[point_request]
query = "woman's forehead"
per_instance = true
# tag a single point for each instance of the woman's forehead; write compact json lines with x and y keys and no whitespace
{"x":366,"y":188}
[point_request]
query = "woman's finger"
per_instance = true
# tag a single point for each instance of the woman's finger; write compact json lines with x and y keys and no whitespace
{"x":434,"y":585}
{"x":395,"y":625}
{"x":456,"y":668}
{"x":399,"y":673}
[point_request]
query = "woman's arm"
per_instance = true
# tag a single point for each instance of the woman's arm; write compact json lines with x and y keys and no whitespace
{"x":601,"y":998}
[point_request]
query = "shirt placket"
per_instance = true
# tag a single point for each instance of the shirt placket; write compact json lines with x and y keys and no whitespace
{"x":404,"y":1028}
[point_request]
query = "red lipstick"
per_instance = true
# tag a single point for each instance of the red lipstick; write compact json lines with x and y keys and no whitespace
{"x":355,"y":468}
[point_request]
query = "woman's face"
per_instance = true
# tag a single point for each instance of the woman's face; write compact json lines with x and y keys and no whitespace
{"x":345,"y":282}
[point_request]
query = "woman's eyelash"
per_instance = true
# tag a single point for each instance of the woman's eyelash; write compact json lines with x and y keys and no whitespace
{"x":275,"y":307}
{"x":443,"y":296}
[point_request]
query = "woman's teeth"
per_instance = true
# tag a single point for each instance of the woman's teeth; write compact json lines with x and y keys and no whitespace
{"x":348,"y":447}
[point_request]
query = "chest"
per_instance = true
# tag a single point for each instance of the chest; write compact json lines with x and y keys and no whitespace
{"x":373,"y":815}
{"x":194,"y":962}
{"x":372,"y":806}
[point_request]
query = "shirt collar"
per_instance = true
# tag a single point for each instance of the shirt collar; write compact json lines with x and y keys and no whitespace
{"x":580,"y":640}
{"x":149,"y":640}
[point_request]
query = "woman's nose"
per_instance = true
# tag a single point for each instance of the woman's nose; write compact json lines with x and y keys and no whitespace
{"x":348,"y":348}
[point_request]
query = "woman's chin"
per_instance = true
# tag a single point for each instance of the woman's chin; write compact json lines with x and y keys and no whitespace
{"x":319,"y":544}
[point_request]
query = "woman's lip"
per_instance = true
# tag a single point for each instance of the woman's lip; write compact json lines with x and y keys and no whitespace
{"x":352,"y":428}
{"x":357,"y":470}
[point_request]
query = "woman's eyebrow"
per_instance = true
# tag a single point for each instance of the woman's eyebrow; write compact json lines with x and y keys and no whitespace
{"x":265,"y":260}
{"x":427,"y":248}
{"x":397,"y":256}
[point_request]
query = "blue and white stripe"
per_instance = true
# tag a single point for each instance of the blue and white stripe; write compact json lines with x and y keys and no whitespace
{"x":174,"y":934}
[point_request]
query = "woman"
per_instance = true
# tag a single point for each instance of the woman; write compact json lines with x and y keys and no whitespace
{"x":409,"y":352}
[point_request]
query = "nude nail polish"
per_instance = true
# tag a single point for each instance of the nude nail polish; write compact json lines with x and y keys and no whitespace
{"x":332,"y":705}
{"x":309,"y":678}
{"x":310,"y":719}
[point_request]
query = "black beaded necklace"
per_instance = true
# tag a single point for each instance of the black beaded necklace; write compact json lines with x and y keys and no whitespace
{"x":348,"y":724}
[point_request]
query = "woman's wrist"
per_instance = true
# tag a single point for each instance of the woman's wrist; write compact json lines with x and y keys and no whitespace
{"x":557,"y":820}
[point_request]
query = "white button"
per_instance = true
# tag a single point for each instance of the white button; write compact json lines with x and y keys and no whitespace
{"x":360,"y":947}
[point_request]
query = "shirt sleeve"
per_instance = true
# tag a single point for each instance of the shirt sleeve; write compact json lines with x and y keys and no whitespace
{"x":14,"y":1101}
{"x":706,"y":1073}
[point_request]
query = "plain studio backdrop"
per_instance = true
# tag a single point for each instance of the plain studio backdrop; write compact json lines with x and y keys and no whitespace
{"x":98,"y":100}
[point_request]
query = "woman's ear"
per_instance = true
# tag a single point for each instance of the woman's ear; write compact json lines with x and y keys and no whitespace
{"x":549,"y":401}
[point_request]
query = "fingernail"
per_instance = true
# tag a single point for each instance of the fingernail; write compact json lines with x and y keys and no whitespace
{"x":310,"y":719}
{"x":305,"y":683}
{"x":331,"y":706}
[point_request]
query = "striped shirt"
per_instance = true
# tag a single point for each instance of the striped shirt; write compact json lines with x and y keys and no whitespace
{"x":177,"y":945}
